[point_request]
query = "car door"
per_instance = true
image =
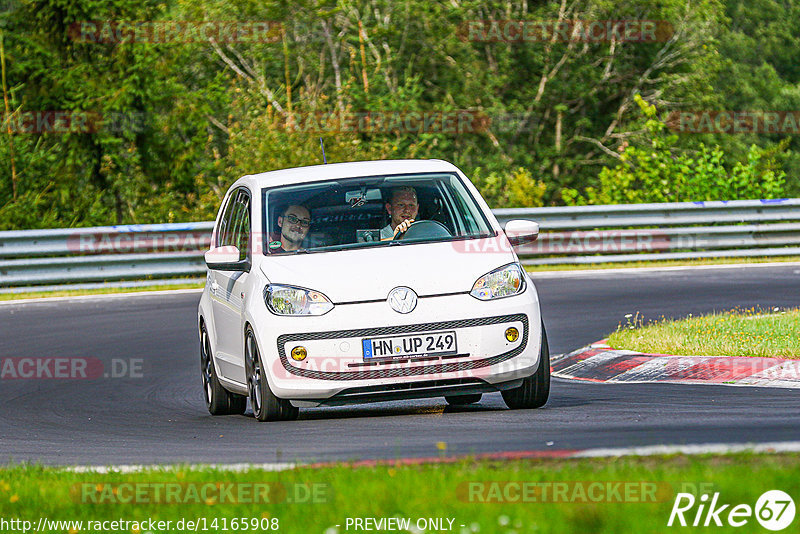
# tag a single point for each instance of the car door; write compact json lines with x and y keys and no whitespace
{"x":227,"y":288}
{"x":219,"y":237}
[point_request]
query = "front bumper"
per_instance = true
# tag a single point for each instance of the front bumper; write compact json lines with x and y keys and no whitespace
{"x":410,"y":390}
{"x":335,"y":370}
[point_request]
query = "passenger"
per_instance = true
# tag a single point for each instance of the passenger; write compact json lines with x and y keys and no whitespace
{"x":294,"y":224}
{"x":403,"y":209}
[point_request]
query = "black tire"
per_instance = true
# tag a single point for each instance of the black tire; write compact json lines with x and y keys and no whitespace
{"x":266,"y":406}
{"x":219,"y":400}
{"x":460,"y":400}
{"x":535,"y":389}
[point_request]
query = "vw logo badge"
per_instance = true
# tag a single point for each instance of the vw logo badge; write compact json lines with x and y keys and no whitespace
{"x":402,"y":299}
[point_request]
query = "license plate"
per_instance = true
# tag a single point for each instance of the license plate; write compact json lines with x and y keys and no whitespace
{"x":412,"y":345}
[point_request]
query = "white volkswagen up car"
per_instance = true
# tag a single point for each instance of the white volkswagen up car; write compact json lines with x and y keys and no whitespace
{"x":366,"y":281}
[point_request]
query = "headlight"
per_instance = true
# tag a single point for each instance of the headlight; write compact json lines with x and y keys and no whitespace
{"x":290,"y":300}
{"x":503,"y":282}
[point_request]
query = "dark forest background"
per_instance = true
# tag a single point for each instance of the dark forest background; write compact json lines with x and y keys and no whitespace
{"x":173,"y":124}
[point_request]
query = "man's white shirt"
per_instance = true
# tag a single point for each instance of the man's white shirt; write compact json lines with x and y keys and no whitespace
{"x":387,"y":232}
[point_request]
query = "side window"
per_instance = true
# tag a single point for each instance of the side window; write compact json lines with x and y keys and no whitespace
{"x":240,"y":224}
{"x":235,"y":223}
{"x":242,"y":235}
{"x":223,"y":231}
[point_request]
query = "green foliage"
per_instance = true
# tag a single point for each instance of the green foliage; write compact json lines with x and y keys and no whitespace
{"x":196,"y":115}
{"x":658,"y":172}
{"x":759,"y":71}
{"x":514,"y":189}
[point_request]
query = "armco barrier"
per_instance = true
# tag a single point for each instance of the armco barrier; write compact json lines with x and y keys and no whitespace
{"x":103,"y":254}
{"x":579,"y":234}
{"x":646,"y":232}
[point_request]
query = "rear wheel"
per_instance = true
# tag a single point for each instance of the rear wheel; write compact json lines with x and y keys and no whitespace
{"x":266,"y":406}
{"x":219,"y":401}
{"x":535,"y":389}
{"x":459,"y":400}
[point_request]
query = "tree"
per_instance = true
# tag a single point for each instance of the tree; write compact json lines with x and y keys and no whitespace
{"x":657,"y":171}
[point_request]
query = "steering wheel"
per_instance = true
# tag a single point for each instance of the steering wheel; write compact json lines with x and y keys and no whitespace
{"x":427,"y":229}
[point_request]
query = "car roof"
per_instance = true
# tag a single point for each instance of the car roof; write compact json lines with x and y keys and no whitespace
{"x":353,"y":169}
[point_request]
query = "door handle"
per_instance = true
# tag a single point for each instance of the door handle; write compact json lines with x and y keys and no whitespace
{"x":214,"y":286}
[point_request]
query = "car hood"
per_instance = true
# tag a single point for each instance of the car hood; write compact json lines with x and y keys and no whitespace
{"x":369,"y":274}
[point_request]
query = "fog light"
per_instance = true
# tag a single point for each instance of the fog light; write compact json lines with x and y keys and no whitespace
{"x":299,"y":354}
{"x":512,"y":334}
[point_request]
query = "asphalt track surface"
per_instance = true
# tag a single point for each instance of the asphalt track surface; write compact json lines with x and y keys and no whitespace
{"x":161,"y":417}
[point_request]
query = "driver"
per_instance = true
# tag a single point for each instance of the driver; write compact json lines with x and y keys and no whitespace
{"x":402,"y":208}
{"x":294,"y":225}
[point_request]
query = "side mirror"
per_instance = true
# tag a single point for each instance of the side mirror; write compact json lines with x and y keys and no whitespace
{"x":226,"y":259}
{"x":520,"y":231}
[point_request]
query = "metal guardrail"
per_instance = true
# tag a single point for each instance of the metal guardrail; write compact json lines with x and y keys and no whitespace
{"x":668,"y":231}
{"x":662,"y":214}
{"x":569,"y":235}
{"x":102,"y":254}
{"x":103,"y":239}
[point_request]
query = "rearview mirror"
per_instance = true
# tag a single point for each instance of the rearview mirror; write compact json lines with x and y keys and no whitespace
{"x":226,"y":259}
{"x":360,"y":197}
{"x":520,"y":231}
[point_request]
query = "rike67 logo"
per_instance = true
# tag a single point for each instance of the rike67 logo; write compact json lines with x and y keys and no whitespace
{"x":774,"y":510}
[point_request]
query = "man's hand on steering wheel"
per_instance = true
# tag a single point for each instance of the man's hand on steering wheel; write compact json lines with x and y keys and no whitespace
{"x":402,"y":228}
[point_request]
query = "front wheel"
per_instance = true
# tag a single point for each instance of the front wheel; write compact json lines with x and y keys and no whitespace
{"x":266,"y":406}
{"x":219,"y":401}
{"x":535,"y":389}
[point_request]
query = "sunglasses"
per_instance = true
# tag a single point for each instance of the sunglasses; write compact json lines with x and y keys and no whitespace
{"x":293,"y":219}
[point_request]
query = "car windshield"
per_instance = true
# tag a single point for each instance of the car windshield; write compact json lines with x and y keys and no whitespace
{"x":369,"y":212}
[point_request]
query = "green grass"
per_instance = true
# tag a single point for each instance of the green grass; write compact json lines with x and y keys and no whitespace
{"x":662,"y":263}
{"x":98,"y":291}
{"x":748,"y":332}
{"x":424,"y":491}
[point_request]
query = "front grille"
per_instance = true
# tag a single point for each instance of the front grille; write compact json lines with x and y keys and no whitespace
{"x":407,"y":360}
{"x":396,"y":372}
